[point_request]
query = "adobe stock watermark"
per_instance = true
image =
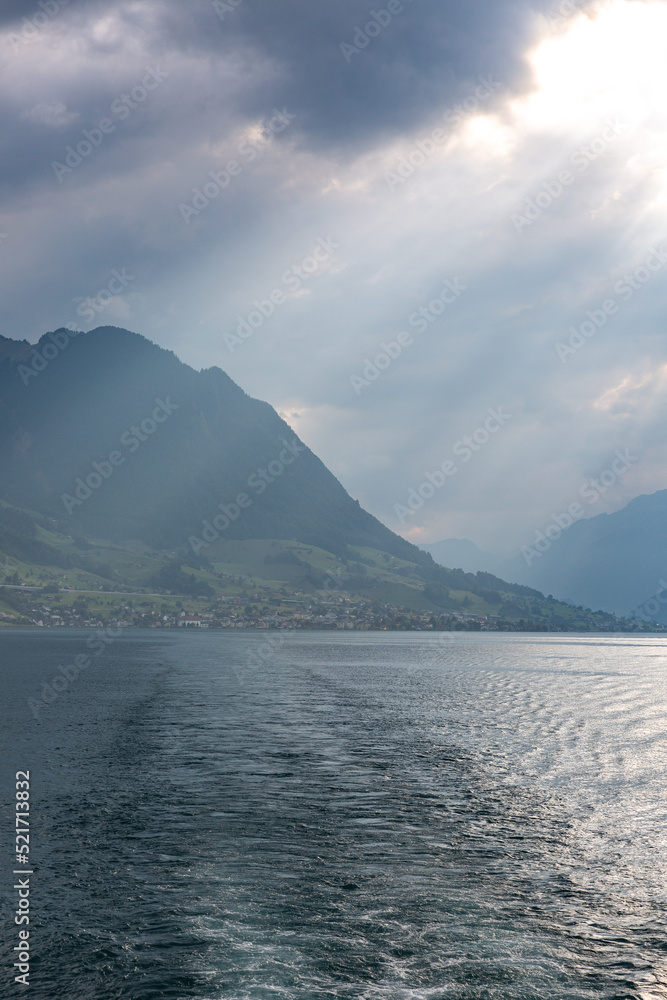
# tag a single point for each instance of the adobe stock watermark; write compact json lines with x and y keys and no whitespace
{"x":60,"y":339}
{"x":131,"y":439}
{"x":334,"y":582}
{"x":591,"y":490}
{"x":262,"y":655}
{"x":64,"y":679}
{"x":464,"y":449}
{"x":31,"y":26}
{"x":378,"y":21}
{"x":553,"y":189}
{"x":559,"y":13}
{"x":88,"y":309}
{"x":434,"y":648}
{"x":224,"y":7}
{"x":117,"y":284}
{"x":120,"y":109}
{"x":259,"y":481}
{"x":293,"y":278}
{"x":221,"y":179}
{"x":625,"y":287}
{"x":419,"y":320}
{"x":426,"y":147}
{"x":649,"y":609}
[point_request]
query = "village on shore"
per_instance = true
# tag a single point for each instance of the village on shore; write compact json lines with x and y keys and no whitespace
{"x":255,"y":612}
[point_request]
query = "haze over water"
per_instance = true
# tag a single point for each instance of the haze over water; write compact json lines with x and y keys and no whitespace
{"x":372,"y":815}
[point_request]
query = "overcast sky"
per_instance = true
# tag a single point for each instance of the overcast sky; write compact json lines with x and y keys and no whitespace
{"x":499,"y":165}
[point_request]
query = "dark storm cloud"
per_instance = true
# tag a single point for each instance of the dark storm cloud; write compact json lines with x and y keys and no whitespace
{"x":12,"y":12}
{"x":257,"y":55}
{"x":426,"y":55}
{"x":70,"y":63}
{"x":429,"y":53}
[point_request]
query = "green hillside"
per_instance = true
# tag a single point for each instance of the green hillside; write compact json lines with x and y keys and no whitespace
{"x":135,"y":487}
{"x":93,"y":580}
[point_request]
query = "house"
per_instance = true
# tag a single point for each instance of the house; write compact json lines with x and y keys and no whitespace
{"x":190,"y":620}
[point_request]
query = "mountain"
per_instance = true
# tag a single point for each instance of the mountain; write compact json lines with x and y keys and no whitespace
{"x":611,"y":561}
{"x":124,"y":468}
{"x":617,"y":562}
{"x":464,"y":554}
{"x":15,"y":350}
{"x":115,"y":437}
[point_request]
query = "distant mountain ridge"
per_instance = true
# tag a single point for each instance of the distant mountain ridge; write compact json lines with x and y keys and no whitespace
{"x":108,"y":440}
{"x":616,"y":562}
{"x":14,"y":350}
{"x":464,"y":554}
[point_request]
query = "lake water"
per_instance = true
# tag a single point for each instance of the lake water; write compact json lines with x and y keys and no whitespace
{"x":327,"y":815}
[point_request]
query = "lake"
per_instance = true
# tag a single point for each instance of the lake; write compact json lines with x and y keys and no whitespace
{"x":339,"y":815}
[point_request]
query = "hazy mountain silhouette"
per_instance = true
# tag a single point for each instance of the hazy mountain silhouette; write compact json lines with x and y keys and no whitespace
{"x":184,"y":443}
{"x":614,"y":562}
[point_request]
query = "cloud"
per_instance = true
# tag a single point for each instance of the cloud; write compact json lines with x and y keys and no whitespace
{"x":416,"y":171}
{"x":51,"y":115}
